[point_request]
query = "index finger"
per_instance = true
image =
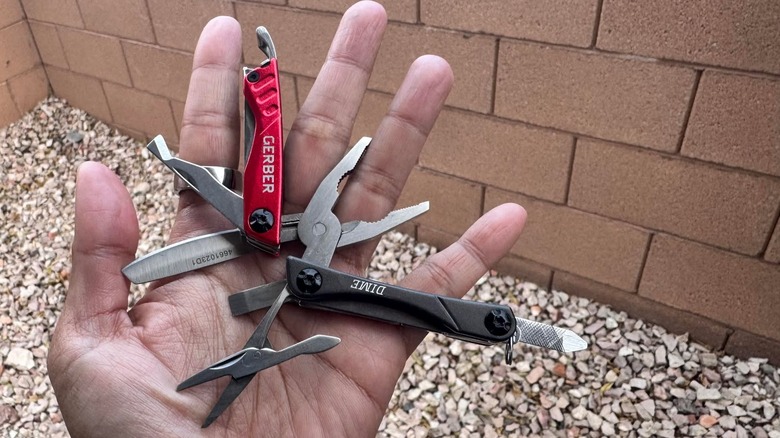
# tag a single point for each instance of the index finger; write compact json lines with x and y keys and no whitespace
{"x":210,"y":123}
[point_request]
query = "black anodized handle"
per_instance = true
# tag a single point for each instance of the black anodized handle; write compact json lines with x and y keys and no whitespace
{"x":327,"y":289}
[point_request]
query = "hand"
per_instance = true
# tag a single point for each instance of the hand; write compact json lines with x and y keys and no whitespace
{"x":115,"y":371}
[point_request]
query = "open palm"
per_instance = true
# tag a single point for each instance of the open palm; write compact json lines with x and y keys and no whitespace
{"x":115,"y":372}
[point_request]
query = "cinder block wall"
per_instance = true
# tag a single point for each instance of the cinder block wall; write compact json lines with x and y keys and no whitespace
{"x":23,"y":81}
{"x":642,"y":137}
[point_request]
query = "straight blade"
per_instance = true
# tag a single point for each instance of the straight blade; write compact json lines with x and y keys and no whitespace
{"x":210,"y":249}
{"x":249,"y":125}
{"x":195,"y":253}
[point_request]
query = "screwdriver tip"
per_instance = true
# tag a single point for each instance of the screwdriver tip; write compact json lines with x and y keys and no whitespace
{"x":572,"y":342}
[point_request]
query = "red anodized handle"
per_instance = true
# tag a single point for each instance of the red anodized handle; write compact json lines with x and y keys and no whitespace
{"x":263,"y":171}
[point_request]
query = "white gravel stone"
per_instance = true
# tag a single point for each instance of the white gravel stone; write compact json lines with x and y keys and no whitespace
{"x":758,"y":432}
{"x":670,"y":341}
{"x":708,"y":394}
{"x":646,"y":409}
{"x":727,"y":422}
{"x":736,"y":411}
{"x":579,"y":413}
{"x":769,"y":411}
{"x":595,"y":327}
{"x":675,"y":361}
{"x":556,"y":414}
{"x":708,"y":359}
{"x":535,"y":375}
{"x":660,"y":355}
{"x":562,"y":402}
{"x":594,"y":421}
{"x":20,"y":358}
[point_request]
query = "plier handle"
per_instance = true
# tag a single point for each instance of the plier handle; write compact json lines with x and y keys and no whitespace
{"x":263,"y":149}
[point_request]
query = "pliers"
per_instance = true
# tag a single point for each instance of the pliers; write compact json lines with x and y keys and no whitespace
{"x":310,"y":281}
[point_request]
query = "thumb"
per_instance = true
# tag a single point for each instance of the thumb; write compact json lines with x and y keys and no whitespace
{"x":105,"y":240}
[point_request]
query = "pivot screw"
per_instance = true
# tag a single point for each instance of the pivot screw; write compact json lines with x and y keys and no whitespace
{"x":261,"y":220}
{"x":498,"y":322}
{"x":253,"y":76}
{"x":309,"y":281}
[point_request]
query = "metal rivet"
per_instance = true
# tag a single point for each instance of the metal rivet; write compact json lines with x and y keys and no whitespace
{"x":498,"y":322}
{"x":261,"y":220}
{"x":309,"y":280}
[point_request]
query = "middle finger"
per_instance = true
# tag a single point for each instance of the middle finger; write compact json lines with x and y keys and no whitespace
{"x":321,"y":131}
{"x":372,"y":191}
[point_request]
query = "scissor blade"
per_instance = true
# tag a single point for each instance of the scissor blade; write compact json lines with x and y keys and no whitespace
{"x":251,"y":360}
{"x":222,"y":368}
{"x":547,"y":336}
{"x":195,"y":253}
{"x":268,"y":358}
{"x":234,"y":388}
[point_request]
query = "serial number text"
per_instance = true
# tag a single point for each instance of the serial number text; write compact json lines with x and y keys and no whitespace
{"x":208,"y":259}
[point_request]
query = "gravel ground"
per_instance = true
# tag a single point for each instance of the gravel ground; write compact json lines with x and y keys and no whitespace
{"x":634,"y":380}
